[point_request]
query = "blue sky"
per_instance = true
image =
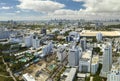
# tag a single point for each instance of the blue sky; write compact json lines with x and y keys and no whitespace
{"x":15,"y":11}
{"x":47,"y":9}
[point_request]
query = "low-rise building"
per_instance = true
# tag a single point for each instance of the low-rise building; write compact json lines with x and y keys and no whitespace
{"x":28,"y":77}
{"x":71,"y":74}
{"x":114,"y":74}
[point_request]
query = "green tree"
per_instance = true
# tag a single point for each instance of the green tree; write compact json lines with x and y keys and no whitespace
{"x":97,"y":50}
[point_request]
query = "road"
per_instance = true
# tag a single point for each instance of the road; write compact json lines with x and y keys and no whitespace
{"x":4,"y":76}
{"x":8,"y":69}
{"x":91,"y":78}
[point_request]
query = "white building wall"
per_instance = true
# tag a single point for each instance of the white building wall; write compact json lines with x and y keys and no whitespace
{"x":61,"y":55}
{"x":36,"y":43}
{"x":73,"y":57}
{"x":84,"y":63}
{"x":107,"y":59}
{"x":99,"y":37}
{"x":28,"y":41}
{"x":94,"y":68}
{"x":113,"y":77}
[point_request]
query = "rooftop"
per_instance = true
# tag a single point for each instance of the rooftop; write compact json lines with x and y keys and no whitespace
{"x":116,"y":67}
{"x":71,"y":75}
{"x":90,"y":33}
{"x":28,"y":77}
{"x":95,"y":59}
{"x":87,"y":55}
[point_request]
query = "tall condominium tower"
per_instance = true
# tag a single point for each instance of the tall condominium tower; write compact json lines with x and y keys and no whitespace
{"x":74,"y":56}
{"x":107,"y":60}
{"x":83,"y":44}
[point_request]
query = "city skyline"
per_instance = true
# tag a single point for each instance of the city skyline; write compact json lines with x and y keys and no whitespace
{"x":59,"y":9}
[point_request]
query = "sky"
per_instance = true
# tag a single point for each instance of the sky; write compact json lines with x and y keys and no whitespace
{"x":59,"y":9}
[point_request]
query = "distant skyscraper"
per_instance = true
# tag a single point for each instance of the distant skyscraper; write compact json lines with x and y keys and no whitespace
{"x":74,"y":36}
{"x":99,"y":37}
{"x":43,"y":31}
{"x":107,"y":60}
{"x":83,"y":44}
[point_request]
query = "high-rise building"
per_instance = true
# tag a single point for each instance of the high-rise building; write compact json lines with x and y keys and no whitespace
{"x":61,"y":53}
{"x":85,"y":61}
{"x":75,"y":36}
{"x":28,"y":40}
{"x":83,"y":44}
{"x":43,"y":31}
{"x":48,"y":49}
{"x":99,"y":37}
{"x":35,"y":42}
{"x":107,"y":60}
{"x":94,"y":64}
{"x":74,"y":56}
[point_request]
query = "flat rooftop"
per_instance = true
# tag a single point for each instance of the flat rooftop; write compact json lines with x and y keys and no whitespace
{"x":87,"y":54}
{"x":90,"y":33}
{"x":116,"y":67}
{"x":71,"y":75}
{"x":28,"y":77}
{"x":95,"y":59}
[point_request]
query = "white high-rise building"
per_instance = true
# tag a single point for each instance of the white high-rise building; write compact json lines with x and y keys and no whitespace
{"x":74,"y":56}
{"x":48,"y":49}
{"x":28,"y":41}
{"x":35,"y":42}
{"x":107,"y":60}
{"x":75,"y":36}
{"x":61,"y":53}
{"x":114,"y":74}
{"x":94,"y":64}
{"x":85,"y":61}
{"x":99,"y":37}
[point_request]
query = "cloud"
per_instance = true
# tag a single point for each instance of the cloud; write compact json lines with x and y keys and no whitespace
{"x":65,"y":12}
{"x":6,"y":8}
{"x":93,"y":9}
{"x":18,"y":11}
{"x":77,"y":0}
{"x":43,"y":6}
{"x":82,"y":14}
{"x":100,"y":6}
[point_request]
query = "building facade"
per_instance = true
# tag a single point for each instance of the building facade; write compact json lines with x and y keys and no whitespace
{"x":107,"y":60}
{"x":99,"y":37}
